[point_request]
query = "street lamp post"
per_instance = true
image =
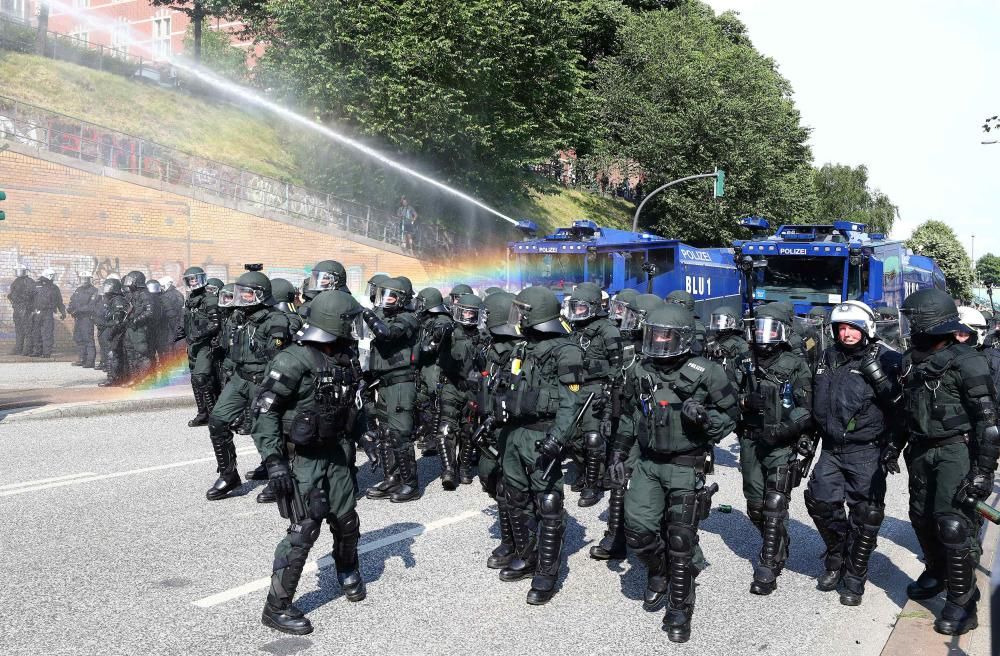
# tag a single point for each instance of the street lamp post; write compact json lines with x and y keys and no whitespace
{"x":720,"y":177}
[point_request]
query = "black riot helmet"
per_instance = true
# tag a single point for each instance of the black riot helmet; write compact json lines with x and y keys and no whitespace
{"x":668,"y":331}
{"x":635,"y":313}
{"x":227,"y":296}
{"x":112,"y":287}
{"x":327,"y":274}
{"x":491,"y":290}
{"x":458,"y":290}
{"x":430,"y":301}
{"x":466,"y":310}
{"x":538,"y":308}
{"x":681,"y":297}
{"x":725,"y":319}
{"x":932,"y":312}
{"x":134,"y":281}
{"x":373,"y":284}
{"x":617,"y":305}
{"x":283,"y":293}
{"x":583,"y":304}
{"x":213,"y":285}
{"x":194,"y":277}
{"x":772,"y":327}
{"x":332,"y":317}
{"x":252,"y":289}
{"x":496,"y":307}
{"x":154,"y":287}
{"x":392,"y":295}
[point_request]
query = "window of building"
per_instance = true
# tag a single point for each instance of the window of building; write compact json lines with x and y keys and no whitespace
{"x":120,"y":38}
{"x":17,"y":8}
{"x":80,"y":34}
{"x":161,"y":37}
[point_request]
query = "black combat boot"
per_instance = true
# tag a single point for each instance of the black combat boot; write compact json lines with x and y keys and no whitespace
{"x":523,"y":527}
{"x":612,"y":545}
{"x":931,"y":581}
{"x":465,"y":473}
{"x":449,"y":478}
{"x":225,"y":456}
{"x":959,"y":613}
{"x":280,"y":613}
{"x":346,"y":535}
{"x":200,"y":398}
{"x":866,"y":521}
{"x":774,"y":549}
{"x":503,"y":554}
{"x":550,"y":539}
{"x":832,"y":527}
{"x":267,"y":495}
{"x":410,"y":488}
{"x":258,"y":473}
{"x":390,"y":469}
{"x":680,"y":602}
{"x":649,"y":548}
{"x":591,"y":492}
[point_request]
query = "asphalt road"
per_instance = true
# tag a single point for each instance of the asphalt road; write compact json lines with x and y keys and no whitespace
{"x":108,"y":546}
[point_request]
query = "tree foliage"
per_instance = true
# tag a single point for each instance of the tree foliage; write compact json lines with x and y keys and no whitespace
{"x":843,"y":194}
{"x":988,"y":269}
{"x":687,"y":93}
{"x":936,"y":239}
{"x":218,"y":54}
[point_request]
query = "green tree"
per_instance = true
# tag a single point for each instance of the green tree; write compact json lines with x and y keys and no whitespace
{"x":988,"y":269}
{"x":474,"y":89}
{"x":843,"y":194}
{"x":218,"y":53}
{"x":687,"y":93}
{"x":936,"y":239}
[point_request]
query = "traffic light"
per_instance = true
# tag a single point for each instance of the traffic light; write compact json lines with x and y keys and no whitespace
{"x":3,"y":196}
{"x":720,"y":183}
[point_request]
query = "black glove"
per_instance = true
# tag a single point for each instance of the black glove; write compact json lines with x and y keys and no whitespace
{"x":890,"y":459}
{"x":606,"y":428}
{"x":616,"y":469}
{"x":695,"y":413}
{"x":180,"y":334}
{"x":549,"y":450}
{"x":872,"y":370}
{"x":804,"y":446}
{"x":980,"y":483}
{"x":777,"y":434}
{"x":280,"y":477}
{"x":369,"y":316}
{"x":368,"y":442}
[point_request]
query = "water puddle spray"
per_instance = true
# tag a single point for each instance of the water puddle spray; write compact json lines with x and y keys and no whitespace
{"x":256,"y":99}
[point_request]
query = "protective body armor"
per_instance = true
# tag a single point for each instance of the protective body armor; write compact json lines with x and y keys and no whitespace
{"x":602,"y":349}
{"x":775,"y":385}
{"x":395,"y":354}
{"x":532,"y":381}
{"x":201,"y":317}
{"x":933,"y":388}
{"x":259,"y":339}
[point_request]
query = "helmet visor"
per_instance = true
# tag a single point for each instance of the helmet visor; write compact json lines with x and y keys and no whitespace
{"x":227,"y":298}
{"x":320,"y":281}
{"x":359,"y":329}
{"x":195,"y":280}
{"x":720,"y":322}
{"x":616,"y":309}
{"x":108,"y":287}
{"x":632,"y":319}
{"x":577,"y":310}
{"x":247,"y":296}
{"x":518,"y":314}
{"x":768,"y":330}
{"x":389,"y":298}
{"x":665,"y":341}
{"x":465,"y":315}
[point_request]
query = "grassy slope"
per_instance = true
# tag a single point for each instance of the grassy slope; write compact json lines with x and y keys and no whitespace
{"x":223,"y":132}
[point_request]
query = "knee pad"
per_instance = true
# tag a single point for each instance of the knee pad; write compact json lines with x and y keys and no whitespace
{"x":550,"y":505}
{"x":820,"y":510}
{"x":218,"y":428}
{"x":304,"y":534}
{"x":953,"y":531}
{"x":868,"y":514}
{"x":593,"y":441}
{"x":681,"y":539}
{"x":640,"y":540}
{"x":317,"y":505}
{"x":775,"y":502}
{"x":349,"y":523}
{"x":200,"y":380}
{"x":520,"y":499}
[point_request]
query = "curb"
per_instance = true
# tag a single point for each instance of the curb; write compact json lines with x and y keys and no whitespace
{"x":914,"y":632}
{"x":97,"y":408}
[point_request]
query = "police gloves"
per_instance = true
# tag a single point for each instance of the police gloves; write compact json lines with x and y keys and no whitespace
{"x":805,"y":446}
{"x":695,"y":413}
{"x":368,"y":442}
{"x":606,"y":428}
{"x":872,"y":370}
{"x":890,"y":459}
{"x":549,"y":449}
{"x":616,"y":468}
{"x":780,"y":433}
{"x":980,"y":483}
{"x":280,"y":477}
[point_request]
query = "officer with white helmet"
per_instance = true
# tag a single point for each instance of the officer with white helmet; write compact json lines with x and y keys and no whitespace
{"x":855,"y":394}
{"x":979,"y":338}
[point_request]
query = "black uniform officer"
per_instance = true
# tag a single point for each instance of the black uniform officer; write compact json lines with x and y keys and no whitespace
{"x":83,"y":308}
{"x":46,"y":300}
{"x":21,"y":294}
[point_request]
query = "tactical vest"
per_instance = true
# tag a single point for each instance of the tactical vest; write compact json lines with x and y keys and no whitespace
{"x":661,"y":428}
{"x":197,"y":321}
{"x":932,"y":394}
{"x":774,"y":386}
{"x":396,"y":354}
{"x":328,"y":411}
{"x":531,"y":383}
{"x":596,"y":350}
{"x":251,"y":342}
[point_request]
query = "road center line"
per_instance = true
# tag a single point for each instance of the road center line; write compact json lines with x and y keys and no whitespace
{"x":86,"y":478}
{"x":327,"y":561}
{"x":11,"y":486}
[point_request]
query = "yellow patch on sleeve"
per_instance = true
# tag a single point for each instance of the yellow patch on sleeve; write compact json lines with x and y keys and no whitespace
{"x":574,"y":387}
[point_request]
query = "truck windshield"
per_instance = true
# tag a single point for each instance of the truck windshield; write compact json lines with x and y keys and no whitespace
{"x":811,"y":279}
{"x":557,"y":271}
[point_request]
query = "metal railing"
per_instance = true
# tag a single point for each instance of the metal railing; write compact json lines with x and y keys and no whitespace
{"x":44,"y":129}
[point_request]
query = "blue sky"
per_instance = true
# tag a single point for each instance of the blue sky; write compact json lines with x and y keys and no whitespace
{"x":902,"y":87}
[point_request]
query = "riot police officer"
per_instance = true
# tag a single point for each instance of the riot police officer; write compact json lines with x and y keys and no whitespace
{"x":855,"y":394}
{"x":284,"y":300}
{"x":201,"y":326}
{"x":976,"y":338}
{"x":617,"y":305}
{"x":681,"y":404}
{"x":173,"y":306}
{"x":305,"y":407}
{"x":137,"y":328}
{"x":21,"y":295}
{"x":727,"y":346}
{"x":601,"y":342}
{"x":158,"y":325}
{"x":372,"y":286}
{"x":949,"y":403}
{"x":326,"y":275}
{"x":46,"y":300}
{"x":112,"y":326}
{"x":494,"y":360}
{"x":261,"y":333}
{"x":458,"y":367}
{"x":538,"y":409}
{"x":623,"y":451}
{"x":392,"y":359}
{"x":458,"y":291}
{"x":436,"y":434}
{"x":681,"y":297}
{"x":83,"y":307}
{"x":887,"y":328}
{"x":777,"y":412}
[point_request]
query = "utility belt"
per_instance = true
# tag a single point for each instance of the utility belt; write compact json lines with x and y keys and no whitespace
{"x":395,"y":376}
{"x":541,"y":425}
{"x":692,"y":458}
{"x":848,"y":446}
{"x":254,"y":377}
{"x":928,"y":443}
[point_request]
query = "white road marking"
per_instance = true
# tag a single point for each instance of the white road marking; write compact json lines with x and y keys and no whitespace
{"x":87,"y":477}
{"x":10,"y":486}
{"x":327,"y":561}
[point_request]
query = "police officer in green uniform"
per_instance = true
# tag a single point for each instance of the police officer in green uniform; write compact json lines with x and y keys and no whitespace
{"x":682,"y":404}
{"x":458,"y":366}
{"x":372,"y":286}
{"x":601,"y":342}
{"x":261,"y":331}
{"x":459,"y":290}
{"x":304,"y":408}
{"x":200,"y":329}
{"x":617,"y":305}
{"x":777,"y":412}
{"x":112,"y":326}
{"x":493,"y":362}
{"x":727,"y":345}
{"x":949,"y":404}
{"x":223,"y":342}
{"x":684,"y":298}
{"x":138,"y":328}
{"x":538,"y":409}
{"x":395,"y":331}
{"x":284,"y":300}
{"x":435,"y":435}
{"x":326,"y":275}
{"x":624,"y":451}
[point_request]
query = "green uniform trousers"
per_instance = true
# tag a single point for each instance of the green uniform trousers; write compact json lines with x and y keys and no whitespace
{"x":654,"y":492}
